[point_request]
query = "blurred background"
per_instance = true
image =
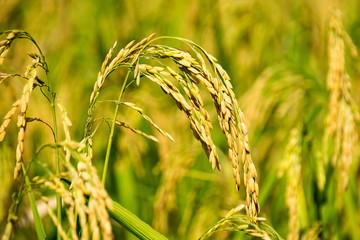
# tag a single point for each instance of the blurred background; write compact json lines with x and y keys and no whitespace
{"x":274,"y":51}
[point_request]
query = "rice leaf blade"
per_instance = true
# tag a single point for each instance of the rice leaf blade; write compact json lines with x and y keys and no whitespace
{"x":37,"y":220}
{"x":134,"y":224}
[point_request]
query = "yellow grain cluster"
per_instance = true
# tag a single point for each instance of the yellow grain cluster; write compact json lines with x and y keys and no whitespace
{"x":292,"y":166}
{"x":66,"y":124}
{"x":7,"y":119}
{"x":123,"y":57}
{"x":199,"y":125}
{"x":87,"y":200}
{"x":30,"y":75}
{"x":340,"y":135}
{"x":200,"y":69}
{"x":232,"y":121}
{"x":21,"y":104}
{"x":5,"y":44}
{"x":233,"y":219}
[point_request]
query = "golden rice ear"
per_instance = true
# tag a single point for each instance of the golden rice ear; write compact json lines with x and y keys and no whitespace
{"x":124,"y":56}
{"x":340,"y":133}
{"x":87,"y":201}
{"x":193,"y":71}
{"x":291,"y":166}
{"x":198,"y":124}
{"x":202,"y":69}
{"x":30,"y":74}
{"x":5,"y":44}
{"x":7,"y":119}
{"x":242,"y":223}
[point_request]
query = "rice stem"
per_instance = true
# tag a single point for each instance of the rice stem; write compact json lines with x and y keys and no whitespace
{"x":57,"y":159}
{"x":107,"y":157}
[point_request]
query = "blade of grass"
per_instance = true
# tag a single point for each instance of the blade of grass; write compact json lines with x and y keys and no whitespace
{"x":37,"y":220}
{"x":134,"y":224}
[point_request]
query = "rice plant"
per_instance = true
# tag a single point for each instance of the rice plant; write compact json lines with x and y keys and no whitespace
{"x":126,"y":154}
{"x":86,"y":201}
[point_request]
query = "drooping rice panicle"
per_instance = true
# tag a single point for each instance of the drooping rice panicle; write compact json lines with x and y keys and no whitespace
{"x":291,"y":165}
{"x":340,"y":135}
{"x":30,"y":75}
{"x":86,"y":199}
{"x":200,"y":69}
{"x":232,"y":120}
{"x":7,"y":119}
{"x":234,"y":221}
{"x":5,"y":44}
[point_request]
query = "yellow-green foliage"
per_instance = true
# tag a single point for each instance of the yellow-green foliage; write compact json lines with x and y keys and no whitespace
{"x":294,"y":70}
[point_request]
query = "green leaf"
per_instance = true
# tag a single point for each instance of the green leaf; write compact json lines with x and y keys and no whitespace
{"x":37,"y":220}
{"x":134,"y":224}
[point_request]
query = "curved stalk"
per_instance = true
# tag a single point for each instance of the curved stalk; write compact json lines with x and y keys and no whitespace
{"x":55,"y":131}
{"x":108,"y":150}
{"x":57,"y":159}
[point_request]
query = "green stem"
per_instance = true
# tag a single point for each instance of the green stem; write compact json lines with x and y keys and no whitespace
{"x":57,"y":162}
{"x":107,"y":157}
{"x":55,"y":132}
{"x":57,"y":159}
{"x":37,"y":219}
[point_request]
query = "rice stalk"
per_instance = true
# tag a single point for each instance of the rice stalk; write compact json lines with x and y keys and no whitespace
{"x":201,"y":130}
{"x":31,"y":81}
{"x":38,"y":60}
{"x":193,"y":71}
{"x":340,"y":134}
{"x":292,"y":166}
{"x":86,"y":199}
{"x":232,"y":120}
{"x":98,"y":198}
{"x":121,"y":59}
